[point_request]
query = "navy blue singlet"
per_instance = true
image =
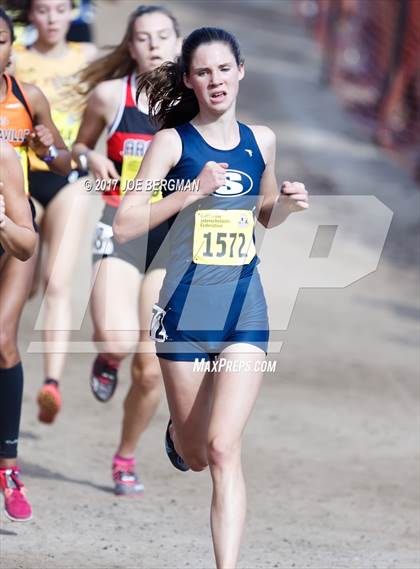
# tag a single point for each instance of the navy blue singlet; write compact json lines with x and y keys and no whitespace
{"x":212,"y":296}
{"x":246,"y":166}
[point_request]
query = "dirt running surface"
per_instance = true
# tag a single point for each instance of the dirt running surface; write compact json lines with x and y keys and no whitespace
{"x":331,"y":450}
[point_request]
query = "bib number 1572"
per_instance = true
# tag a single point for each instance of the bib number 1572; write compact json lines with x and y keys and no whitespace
{"x":223,"y":237}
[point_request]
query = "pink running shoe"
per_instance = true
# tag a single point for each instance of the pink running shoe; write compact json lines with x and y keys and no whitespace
{"x":16,"y":505}
{"x":126,"y":481}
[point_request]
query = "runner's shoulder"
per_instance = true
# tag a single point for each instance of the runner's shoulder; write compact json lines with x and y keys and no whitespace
{"x":108,"y":90}
{"x":106,"y":97}
{"x":168,"y":136}
{"x":169,"y":142}
{"x":263,"y":134}
{"x":33,"y":94}
{"x":266,"y":140}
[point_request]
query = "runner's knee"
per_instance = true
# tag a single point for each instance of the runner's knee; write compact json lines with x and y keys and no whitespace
{"x":146,"y":373}
{"x":115,"y":344}
{"x":56,"y":288}
{"x":221,"y":451}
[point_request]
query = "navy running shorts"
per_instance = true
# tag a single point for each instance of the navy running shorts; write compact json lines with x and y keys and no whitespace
{"x":198,"y":322}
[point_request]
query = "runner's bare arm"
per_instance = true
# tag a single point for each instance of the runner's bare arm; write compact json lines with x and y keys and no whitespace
{"x":276,"y":206}
{"x":135,"y":215}
{"x":100,"y":111}
{"x":45,"y":132}
{"x":17,"y":235}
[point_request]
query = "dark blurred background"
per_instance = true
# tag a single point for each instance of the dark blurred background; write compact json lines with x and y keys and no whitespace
{"x":371,"y":58}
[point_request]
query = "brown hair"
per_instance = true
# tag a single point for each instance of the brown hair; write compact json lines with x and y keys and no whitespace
{"x":171,"y":103}
{"x":119,"y":62}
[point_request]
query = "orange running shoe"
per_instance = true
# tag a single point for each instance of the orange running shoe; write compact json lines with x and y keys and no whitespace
{"x":49,"y":401}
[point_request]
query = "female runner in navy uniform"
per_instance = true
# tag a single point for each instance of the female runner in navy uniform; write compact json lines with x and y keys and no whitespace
{"x":212,"y":303}
{"x":127,"y":278}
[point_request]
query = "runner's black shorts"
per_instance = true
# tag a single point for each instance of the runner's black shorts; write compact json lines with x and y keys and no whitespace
{"x":147,"y":252}
{"x":45,"y":185}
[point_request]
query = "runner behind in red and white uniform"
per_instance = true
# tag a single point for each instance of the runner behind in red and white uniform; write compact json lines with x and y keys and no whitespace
{"x":127,"y":278}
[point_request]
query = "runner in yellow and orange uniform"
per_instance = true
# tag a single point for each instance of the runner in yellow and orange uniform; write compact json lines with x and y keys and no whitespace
{"x":25,"y":121}
{"x":53,"y":64}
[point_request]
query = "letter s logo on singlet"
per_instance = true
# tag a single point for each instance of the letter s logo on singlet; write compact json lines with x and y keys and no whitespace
{"x":237,"y":184}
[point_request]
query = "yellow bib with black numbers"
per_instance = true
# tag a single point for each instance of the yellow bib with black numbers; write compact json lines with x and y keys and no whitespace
{"x":223,"y":237}
{"x":22,"y":153}
{"x":130,"y":167}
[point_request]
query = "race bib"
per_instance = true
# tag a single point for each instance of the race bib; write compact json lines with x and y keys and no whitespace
{"x":223,"y":237}
{"x":102,"y":242}
{"x":23,"y":158}
{"x":130,"y":167}
{"x":156,"y":196}
{"x":67,"y":124}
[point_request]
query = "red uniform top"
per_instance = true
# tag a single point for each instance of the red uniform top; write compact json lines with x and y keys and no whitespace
{"x":128,"y":139}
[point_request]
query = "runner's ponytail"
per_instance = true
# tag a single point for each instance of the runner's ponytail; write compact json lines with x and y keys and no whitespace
{"x":170,"y":101}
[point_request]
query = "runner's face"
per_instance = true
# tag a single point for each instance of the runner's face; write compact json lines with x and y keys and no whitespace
{"x":52,"y":19}
{"x":154,"y":41}
{"x":5,"y":46}
{"x":214,"y":76}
